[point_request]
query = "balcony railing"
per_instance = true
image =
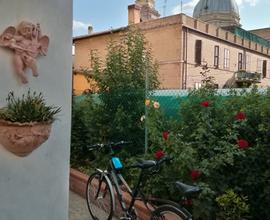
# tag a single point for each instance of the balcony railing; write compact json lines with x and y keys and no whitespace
{"x":247,"y":77}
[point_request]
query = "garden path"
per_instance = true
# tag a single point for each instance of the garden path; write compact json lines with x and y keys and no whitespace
{"x":78,"y":208}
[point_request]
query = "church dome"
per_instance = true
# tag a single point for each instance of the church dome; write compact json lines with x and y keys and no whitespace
{"x":219,"y":12}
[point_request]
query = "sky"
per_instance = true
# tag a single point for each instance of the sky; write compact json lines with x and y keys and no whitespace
{"x":109,"y":14}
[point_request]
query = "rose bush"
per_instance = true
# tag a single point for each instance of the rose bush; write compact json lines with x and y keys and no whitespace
{"x":219,"y":143}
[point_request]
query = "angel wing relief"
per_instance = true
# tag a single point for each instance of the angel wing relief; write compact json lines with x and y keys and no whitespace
{"x":27,"y":44}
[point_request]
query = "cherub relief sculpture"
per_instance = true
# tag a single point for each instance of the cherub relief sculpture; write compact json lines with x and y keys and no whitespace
{"x":27,"y":43}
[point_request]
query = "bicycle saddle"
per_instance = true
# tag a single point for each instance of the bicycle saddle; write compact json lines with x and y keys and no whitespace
{"x":188,"y":190}
{"x":144,"y":164}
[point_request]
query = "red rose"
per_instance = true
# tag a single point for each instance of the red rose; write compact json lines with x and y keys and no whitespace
{"x":240,"y":116}
{"x":187,"y":202}
{"x":242,"y":143}
{"x":159,"y":154}
{"x":195,"y":174}
{"x":165,"y":135}
{"x":205,"y":104}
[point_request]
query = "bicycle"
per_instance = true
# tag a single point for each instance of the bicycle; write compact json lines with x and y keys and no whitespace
{"x":102,"y":186}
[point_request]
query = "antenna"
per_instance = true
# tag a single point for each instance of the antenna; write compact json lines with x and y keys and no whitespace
{"x":181,"y":6}
{"x":164,"y":8}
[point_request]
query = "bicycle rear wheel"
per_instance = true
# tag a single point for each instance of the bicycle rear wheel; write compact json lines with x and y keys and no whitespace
{"x":99,"y":197}
{"x":168,"y":212}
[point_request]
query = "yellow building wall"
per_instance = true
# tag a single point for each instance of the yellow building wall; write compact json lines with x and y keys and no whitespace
{"x":80,"y":84}
{"x":165,"y":37}
{"x":164,"y":41}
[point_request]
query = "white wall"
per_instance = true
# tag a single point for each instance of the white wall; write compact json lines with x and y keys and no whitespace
{"x":36,"y":187}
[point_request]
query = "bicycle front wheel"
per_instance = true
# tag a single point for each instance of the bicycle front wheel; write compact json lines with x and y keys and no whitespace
{"x":99,"y":196}
{"x":168,"y":212}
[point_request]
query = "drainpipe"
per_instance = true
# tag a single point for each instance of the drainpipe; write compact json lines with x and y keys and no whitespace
{"x":184,"y":55}
{"x":186,"y":60}
{"x":244,"y":59}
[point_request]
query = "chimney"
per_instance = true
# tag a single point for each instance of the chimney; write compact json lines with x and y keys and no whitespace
{"x":90,"y":29}
{"x":134,"y":14}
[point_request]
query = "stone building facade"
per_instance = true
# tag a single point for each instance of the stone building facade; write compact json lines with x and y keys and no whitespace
{"x":182,"y":45}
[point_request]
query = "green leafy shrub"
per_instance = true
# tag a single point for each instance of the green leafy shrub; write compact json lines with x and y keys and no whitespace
{"x":219,"y":143}
{"x":122,"y":87}
{"x":232,"y":206}
{"x":85,"y":130}
{"x":31,"y":107}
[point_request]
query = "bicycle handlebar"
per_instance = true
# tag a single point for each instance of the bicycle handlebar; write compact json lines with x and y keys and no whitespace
{"x":157,"y":167}
{"x":108,"y":145}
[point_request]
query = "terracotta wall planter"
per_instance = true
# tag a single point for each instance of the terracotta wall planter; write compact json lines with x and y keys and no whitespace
{"x":22,"y":138}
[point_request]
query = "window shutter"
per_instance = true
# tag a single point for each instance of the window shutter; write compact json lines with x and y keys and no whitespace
{"x":198,"y":52}
{"x":264,"y":68}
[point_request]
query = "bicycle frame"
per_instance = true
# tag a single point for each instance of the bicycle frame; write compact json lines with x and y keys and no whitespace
{"x":115,"y":180}
{"x":105,"y":174}
{"x":115,"y":177}
{"x":154,"y":202}
{"x":111,"y":177}
{"x":150,"y":203}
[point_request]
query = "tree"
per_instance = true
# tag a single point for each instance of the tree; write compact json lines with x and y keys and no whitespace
{"x":123,"y":82}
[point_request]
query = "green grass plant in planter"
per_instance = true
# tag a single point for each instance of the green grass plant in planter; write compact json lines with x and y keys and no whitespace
{"x":25,"y":123}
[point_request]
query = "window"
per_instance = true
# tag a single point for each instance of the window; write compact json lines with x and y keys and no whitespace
{"x":226,"y":59}
{"x":73,"y":49}
{"x":240,"y":61}
{"x":264,"y":70}
{"x":197,"y":85}
{"x":216,"y":57}
{"x":259,"y":66}
{"x":198,"y":52}
{"x":248,"y":63}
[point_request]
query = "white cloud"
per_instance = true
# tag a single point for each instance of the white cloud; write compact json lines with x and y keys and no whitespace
{"x":80,"y":28}
{"x":189,"y":6}
{"x":249,"y":2}
{"x":78,"y":25}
